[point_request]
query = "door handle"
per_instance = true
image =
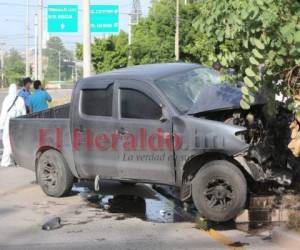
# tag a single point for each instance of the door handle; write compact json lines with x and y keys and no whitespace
{"x":122,"y":131}
{"x":81,"y":129}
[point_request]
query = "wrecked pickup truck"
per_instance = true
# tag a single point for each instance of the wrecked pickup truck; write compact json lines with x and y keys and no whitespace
{"x":174,"y":124}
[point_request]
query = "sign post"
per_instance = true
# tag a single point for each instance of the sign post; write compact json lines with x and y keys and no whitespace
{"x":104,"y":18}
{"x":62,"y":18}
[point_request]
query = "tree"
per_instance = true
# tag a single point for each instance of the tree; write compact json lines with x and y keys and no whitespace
{"x":153,"y":38}
{"x":14,"y":67}
{"x":54,"y":47}
{"x":108,"y":53}
{"x":252,"y":35}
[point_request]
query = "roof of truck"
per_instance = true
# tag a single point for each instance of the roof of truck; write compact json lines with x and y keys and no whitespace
{"x":149,"y":71}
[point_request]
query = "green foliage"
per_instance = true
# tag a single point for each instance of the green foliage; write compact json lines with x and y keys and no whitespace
{"x":54,"y":47}
{"x":14,"y":67}
{"x":108,"y":53}
{"x":260,"y":39}
{"x":251,"y":35}
{"x":153,"y":38}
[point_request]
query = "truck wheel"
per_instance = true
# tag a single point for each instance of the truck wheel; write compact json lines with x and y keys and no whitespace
{"x":53,"y":174}
{"x":219,"y":191}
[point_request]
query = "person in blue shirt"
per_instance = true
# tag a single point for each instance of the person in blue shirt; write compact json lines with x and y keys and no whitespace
{"x":38,"y":101}
{"x":25,"y":92}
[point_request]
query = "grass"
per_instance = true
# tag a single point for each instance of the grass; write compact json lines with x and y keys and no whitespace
{"x":294,"y":221}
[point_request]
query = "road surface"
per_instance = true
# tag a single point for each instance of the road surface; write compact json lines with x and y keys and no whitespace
{"x":119,"y":217}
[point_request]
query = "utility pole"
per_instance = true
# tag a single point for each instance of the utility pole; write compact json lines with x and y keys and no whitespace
{"x":36,"y":47}
{"x":27,"y":41}
{"x":40,"y":43}
{"x":134,"y":18}
{"x":136,"y":12}
{"x":76,"y":73}
{"x":177,"y":55}
{"x":2,"y":63}
{"x":59,"y":66}
{"x":86,"y":39}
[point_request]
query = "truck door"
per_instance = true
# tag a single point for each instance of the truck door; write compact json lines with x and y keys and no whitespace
{"x":93,"y":124}
{"x":145,"y":139}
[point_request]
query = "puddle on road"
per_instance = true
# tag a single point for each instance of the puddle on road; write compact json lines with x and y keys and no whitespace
{"x":153,"y":208}
{"x":142,"y":202}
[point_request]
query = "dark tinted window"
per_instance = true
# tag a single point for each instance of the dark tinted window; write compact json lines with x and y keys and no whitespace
{"x":97,"y":102}
{"x":135,"y":104}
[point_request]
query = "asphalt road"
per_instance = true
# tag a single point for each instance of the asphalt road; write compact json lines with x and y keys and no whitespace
{"x":119,"y":217}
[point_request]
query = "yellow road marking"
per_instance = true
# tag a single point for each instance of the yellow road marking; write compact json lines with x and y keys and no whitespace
{"x":221,"y":238}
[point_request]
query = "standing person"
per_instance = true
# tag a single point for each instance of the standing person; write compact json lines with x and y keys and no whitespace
{"x":13,"y":106}
{"x":39,"y":99}
{"x":25,"y":92}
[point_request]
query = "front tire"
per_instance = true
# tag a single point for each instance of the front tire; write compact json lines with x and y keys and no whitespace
{"x":53,"y":174}
{"x":219,"y":191}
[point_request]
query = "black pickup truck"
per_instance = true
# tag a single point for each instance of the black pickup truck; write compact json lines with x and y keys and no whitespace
{"x":174,"y":124}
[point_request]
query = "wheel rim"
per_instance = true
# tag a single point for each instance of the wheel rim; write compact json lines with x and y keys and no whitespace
{"x":49,"y":174}
{"x":219,"y":194}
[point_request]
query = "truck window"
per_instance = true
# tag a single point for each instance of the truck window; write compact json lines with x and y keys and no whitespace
{"x":135,"y":104}
{"x":97,"y":102}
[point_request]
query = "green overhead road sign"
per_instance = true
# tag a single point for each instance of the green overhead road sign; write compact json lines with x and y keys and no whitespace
{"x":62,"y":18}
{"x":104,"y":18}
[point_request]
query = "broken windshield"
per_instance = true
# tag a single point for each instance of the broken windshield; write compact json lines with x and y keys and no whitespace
{"x":183,"y":89}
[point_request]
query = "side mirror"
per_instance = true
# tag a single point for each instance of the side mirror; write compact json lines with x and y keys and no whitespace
{"x":165,"y":114}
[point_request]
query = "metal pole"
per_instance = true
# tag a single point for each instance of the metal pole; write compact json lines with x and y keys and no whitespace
{"x":76,"y":73}
{"x":2,"y":66}
{"x":27,"y":41}
{"x":129,"y":38}
{"x":86,"y":39}
{"x":36,"y":47}
{"x":40,"y":45}
{"x":73,"y":74}
{"x":177,"y":55}
{"x":59,"y":66}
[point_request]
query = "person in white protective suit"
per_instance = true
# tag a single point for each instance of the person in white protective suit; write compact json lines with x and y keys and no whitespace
{"x":13,"y":106}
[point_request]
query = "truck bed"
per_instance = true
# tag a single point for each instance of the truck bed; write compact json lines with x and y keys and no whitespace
{"x":25,"y":134}
{"x":59,"y":112}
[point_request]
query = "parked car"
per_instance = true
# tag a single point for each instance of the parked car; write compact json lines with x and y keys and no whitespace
{"x":175,"y":124}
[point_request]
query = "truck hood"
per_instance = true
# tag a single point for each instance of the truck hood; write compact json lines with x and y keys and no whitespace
{"x":220,"y":97}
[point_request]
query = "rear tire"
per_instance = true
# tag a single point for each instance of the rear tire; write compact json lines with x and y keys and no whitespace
{"x":53,"y":174}
{"x":219,"y":191}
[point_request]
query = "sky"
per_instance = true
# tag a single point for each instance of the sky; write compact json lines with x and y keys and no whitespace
{"x":13,"y":20}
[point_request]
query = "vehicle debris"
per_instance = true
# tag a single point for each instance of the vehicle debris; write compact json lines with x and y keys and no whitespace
{"x":51,"y":223}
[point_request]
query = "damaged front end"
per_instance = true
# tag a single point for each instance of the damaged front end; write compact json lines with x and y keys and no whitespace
{"x":268,"y":158}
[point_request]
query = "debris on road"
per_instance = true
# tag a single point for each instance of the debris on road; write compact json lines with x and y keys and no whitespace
{"x":51,"y":223}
